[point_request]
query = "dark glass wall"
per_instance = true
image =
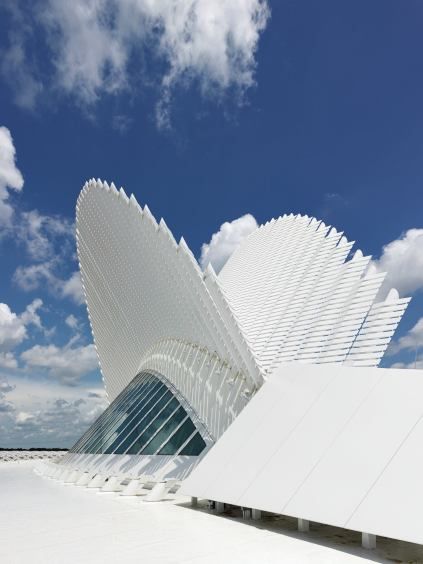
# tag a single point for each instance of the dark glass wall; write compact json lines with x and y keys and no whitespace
{"x":146,"y":418}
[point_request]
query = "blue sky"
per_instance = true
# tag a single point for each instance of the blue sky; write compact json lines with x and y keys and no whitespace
{"x":207,"y":111}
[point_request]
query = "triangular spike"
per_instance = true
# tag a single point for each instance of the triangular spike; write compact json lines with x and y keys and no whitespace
{"x":393,"y":296}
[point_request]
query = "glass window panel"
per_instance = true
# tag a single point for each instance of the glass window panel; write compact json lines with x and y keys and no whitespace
{"x":125,"y":438}
{"x":195,"y":446}
{"x":178,"y":438}
{"x":155,"y":424}
{"x":96,"y":428}
{"x":117,"y":413}
{"x":144,"y":418}
{"x":163,"y":434}
{"x":133,"y":410}
{"x":124,"y":422}
{"x":78,"y":447}
{"x":137,"y":434}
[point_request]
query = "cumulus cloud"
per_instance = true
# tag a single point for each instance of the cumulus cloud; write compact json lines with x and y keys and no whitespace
{"x":226,"y":240}
{"x":411,"y":341}
{"x":402,"y":260}
{"x":16,"y":67}
{"x":72,"y":288}
{"x":10,"y":176}
{"x":35,"y":414}
{"x":49,"y":240}
{"x":31,"y":277}
{"x":68,"y":364}
{"x":5,"y":405}
{"x":72,"y":322}
{"x":13,"y":327}
{"x":34,"y":276}
{"x":8,"y":360}
{"x":416,"y":364}
{"x":106,"y":46}
{"x":41,"y":233}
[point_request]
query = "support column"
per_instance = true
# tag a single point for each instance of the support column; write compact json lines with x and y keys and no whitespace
{"x":219,"y":507}
{"x":246,"y":512}
{"x":255,"y":514}
{"x":368,"y":540}
{"x":132,"y":488}
{"x":303,"y":525}
{"x":157,"y":493}
{"x":194,"y":502}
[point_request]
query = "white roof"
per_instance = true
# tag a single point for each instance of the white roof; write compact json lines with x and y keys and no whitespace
{"x":43,"y":521}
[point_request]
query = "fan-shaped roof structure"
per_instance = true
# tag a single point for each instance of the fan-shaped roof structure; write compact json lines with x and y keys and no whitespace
{"x":265,"y":372}
{"x":297,"y":296}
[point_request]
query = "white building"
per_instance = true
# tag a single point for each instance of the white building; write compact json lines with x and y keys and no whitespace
{"x":257,"y":387}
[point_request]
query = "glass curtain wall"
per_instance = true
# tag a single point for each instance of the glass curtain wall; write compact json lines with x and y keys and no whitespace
{"x":146,"y":418}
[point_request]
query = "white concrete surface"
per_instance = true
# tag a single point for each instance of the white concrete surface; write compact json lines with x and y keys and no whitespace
{"x":42,"y":521}
{"x":330,"y":444}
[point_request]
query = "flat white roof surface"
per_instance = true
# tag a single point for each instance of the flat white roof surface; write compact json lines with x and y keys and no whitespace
{"x":44,"y":521}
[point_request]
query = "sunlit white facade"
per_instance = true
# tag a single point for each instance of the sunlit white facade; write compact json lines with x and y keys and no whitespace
{"x":258,"y":386}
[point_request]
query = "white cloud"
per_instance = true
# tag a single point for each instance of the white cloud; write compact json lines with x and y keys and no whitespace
{"x":30,"y":315}
{"x":15,"y":64}
{"x":100,"y":46}
{"x":72,"y":322}
{"x":10,"y":176}
{"x":68,"y":364}
{"x":402,"y":260}
{"x":412,"y":341}
{"x":417,"y":364}
{"x":48,"y":240}
{"x":34,"y":276}
{"x":40,"y":233}
{"x":226,"y":240}
{"x":6,"y":407}
{"x":72,"y":288}
{"x":13,"y":327}
{"x":8,"y":360}
{"x":40,"y":413}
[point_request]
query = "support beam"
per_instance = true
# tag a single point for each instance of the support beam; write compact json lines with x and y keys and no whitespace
{"x":303,"y":525}
{"x":368,"y":540}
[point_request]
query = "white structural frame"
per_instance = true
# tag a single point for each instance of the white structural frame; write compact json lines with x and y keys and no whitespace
{"x":274,"y":359}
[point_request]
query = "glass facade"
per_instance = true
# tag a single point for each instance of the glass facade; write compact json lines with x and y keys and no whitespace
{"x":146,"y":418}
